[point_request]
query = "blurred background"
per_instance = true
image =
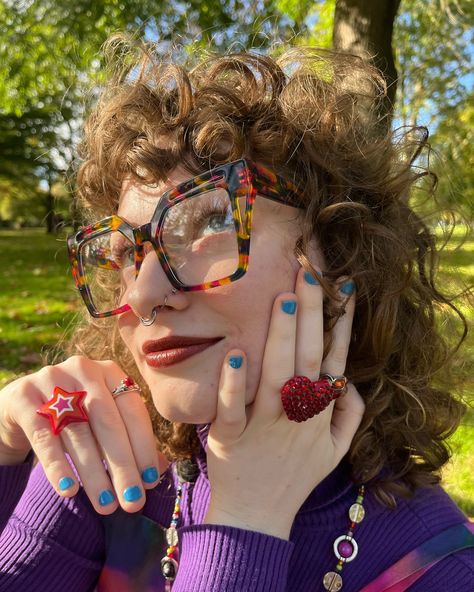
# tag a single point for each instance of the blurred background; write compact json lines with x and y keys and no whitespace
{"x":51,"y":68}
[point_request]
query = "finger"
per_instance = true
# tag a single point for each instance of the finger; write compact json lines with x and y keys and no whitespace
{"x":81,"y":446}
{"x":46,"y":445}
{"x":278,"y":364}
{"x":137,"y":422}
{"x":335,"y":361}
{"x":231,"y":416}
{"x":104,"y":436}
{"x":346,"y":418}
{"x":309,"y":333}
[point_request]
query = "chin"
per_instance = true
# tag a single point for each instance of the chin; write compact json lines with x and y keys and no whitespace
{"x":177,"y":414}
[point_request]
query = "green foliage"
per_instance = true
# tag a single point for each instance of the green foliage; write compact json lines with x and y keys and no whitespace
{"x":452,"y":141}
{"x":51,"y":64}
{"x":433,"y":41}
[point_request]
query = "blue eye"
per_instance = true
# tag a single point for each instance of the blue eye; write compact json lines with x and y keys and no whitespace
{"x":213,"y":222}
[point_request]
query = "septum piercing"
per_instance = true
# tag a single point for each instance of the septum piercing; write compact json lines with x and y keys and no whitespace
{"x":147,"y":321}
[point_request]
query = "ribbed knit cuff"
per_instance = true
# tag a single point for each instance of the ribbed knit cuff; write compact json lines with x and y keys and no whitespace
{"x":13,"y":480}
{"x":214,"y":558}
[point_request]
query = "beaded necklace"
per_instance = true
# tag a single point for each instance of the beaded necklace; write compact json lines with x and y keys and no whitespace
{"x":186,"y":472}
{"x":345,"y":546}
{"x":169,"y":563}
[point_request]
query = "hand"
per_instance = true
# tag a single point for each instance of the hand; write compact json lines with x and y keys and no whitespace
{"x":118,"y":431}
{"x":261,"y":465}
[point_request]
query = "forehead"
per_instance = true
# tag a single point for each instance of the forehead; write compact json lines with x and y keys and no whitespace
{"x":137,"y":200}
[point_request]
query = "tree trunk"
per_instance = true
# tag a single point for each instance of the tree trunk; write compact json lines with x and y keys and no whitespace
{"x":364,"y":28}
{"x":50,"y":216}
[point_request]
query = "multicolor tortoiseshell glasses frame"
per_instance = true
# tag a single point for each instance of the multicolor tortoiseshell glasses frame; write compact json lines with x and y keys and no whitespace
{"x":240,"y":178}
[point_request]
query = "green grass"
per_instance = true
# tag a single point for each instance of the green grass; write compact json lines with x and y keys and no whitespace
{"x":38,"y":301}
{"x":37,"y":298}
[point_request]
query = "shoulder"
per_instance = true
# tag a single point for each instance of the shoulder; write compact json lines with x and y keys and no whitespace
{"x":395,"y":533}
{"x":427,"y":512}
{"x":455,"y":572}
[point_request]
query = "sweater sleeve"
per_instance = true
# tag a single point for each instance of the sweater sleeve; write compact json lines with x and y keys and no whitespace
{"x":215,"y":558}
{"x":48,"y":543}
{"x":13,"y":480}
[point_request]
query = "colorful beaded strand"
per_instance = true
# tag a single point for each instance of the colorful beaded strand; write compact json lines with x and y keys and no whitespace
{"x":169,"y":563}
{"x":345,"y":546}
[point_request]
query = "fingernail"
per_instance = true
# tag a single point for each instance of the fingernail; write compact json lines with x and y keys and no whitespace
{"x":150,"y":475}
{"x":348,"y":288}
{"x":65,"y":483}
{"x":132,"y":494}
{"x":310,"y":279}
{"x":106,"y":497}
{"x":235,"y":361}
{"x":288,"y":306}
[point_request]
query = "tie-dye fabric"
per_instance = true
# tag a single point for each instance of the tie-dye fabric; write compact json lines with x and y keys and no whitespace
{"x":402,"y":574}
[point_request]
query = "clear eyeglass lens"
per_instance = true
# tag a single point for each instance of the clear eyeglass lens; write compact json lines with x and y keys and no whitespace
{"x":108,"y":262}
{"x":200,"y":239}
{"x":200,"y":242}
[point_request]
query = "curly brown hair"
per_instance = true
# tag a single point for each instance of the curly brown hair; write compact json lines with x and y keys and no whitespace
{"x":311,"y":115}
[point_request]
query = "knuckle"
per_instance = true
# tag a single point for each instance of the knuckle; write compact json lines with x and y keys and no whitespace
{"x":230,"y":420}
{"x":55,"y":469}
{"x":77,"y":432}
{"x":110,"y":364}
{"x":77,"y":361}
{"x":41,"y":437}
{"x":107,"y":420}
{"x":276,"y":381}
{"x":309,"y":364}
{"x":47,"y":373}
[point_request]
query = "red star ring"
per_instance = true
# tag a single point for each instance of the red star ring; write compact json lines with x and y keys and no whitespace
{"x":63,"y":408}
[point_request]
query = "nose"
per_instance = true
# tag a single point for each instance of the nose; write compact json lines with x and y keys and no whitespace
{"x":151,"y":287}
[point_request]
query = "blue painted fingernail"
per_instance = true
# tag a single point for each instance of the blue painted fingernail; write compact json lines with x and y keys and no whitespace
{"x":106,"y":497}
{"x":235,"y":361}
{"x":65,"y":483}
{"x":150,"y":475}
{"x":348,"y":288}
{"x":132,"y":494}
{"x":288,"y":306}
{"x":310,"y":279}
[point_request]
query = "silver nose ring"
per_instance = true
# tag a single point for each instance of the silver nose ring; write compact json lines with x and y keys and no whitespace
{"x":147,"y":321}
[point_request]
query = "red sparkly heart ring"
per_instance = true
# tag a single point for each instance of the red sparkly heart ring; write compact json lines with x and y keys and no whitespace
{"x":303,"y":398}
{"x":63,"y":408}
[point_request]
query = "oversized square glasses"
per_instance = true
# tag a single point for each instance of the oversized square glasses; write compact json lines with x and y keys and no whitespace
{"x":200,"y":231}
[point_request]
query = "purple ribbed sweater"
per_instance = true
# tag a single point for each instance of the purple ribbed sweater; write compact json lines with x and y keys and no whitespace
{"x":51,"y":544}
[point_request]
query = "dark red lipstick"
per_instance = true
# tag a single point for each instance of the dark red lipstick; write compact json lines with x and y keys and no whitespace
{"x":170,"y":350}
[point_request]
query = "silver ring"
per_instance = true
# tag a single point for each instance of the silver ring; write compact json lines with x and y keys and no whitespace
{"x":126,"y":385}
{"x":147,"y":321}
{"x":337,"y":383}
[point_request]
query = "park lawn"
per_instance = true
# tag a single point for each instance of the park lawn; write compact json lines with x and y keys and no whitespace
{"x":38,"y":302}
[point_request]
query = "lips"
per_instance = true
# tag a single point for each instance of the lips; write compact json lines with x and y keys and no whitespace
{"x":171,"y":350}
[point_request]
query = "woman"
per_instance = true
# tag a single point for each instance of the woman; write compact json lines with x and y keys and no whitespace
{"x":282,"y":483}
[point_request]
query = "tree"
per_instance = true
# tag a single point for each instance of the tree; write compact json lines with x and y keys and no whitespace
{"x":50,"y":57}
{"x":365,"y":28}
